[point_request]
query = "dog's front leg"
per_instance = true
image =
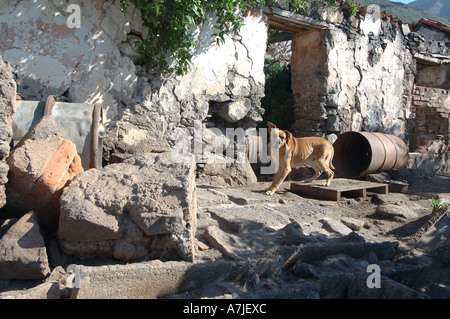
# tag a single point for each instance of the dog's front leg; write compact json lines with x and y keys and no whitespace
{"x":278,"y":178}
{"x":274,"y":186}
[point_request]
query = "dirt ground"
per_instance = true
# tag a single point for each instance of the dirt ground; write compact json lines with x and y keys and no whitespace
{"x":397,"y":229}
{"x":421,"y":190}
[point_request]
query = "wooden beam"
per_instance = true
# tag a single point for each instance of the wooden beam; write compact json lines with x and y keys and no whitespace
{"x":283,"y":20}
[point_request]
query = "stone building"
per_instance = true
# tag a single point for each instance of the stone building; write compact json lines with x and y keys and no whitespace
{"x":370,"y":72}
{"x":430,"y":133}
{"x":348,"y":72}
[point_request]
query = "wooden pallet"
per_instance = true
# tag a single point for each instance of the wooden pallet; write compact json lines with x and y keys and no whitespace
{"x":339,"y":187}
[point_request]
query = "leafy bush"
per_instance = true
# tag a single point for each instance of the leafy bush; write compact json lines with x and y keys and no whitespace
{"x":437,"y":204}
{"x":278,"y":102}
{"x":169,"y":23}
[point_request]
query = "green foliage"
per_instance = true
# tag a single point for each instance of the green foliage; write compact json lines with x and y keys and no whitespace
{"x":437,"y":204}
{"x":353,"y":7}
{"x":350,"y":3}
{"x":169,"y":45}
{"x":170,"y":24}
{"x":278,"y":101}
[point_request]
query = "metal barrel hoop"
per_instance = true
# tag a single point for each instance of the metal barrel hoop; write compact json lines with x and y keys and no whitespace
{"x":49,"y":104}
{"x":97,"y":115}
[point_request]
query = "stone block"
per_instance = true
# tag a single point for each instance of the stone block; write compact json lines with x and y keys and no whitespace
{"x":395,"y":212}
{"x":230,"y":245}
{"x":7,"y":98}
{"x":235,"y":111}
{"x":144,"y":207}
{"x":155,"y":279}
{"x":40,"y":167}
{"x":23,"y":253}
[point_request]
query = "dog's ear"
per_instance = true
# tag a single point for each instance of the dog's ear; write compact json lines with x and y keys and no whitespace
{"x":271,"y":125}
{"x":288,"y":134}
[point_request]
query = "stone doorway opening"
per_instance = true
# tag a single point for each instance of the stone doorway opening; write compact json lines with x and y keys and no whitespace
{"x":278,"y":101}
{"x":294,"y":75}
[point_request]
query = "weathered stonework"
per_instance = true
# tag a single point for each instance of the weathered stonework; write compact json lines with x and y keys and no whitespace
{"x":223,"y":89}
{"x":83,"y":63}
{"x":432,"y":111}
{"x":40,"y":166}
{"x":98,"y":63}
{"x":431,"y":131}
{"x":141,"y":208}
{"x":432,"y":50}
{"x":348,"y":72}
{"x":7,"y":98}
{"x":355,"y":75}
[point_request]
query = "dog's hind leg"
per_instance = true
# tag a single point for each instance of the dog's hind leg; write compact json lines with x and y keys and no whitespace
{"x":330,"y":174}
{"x":327,"y":170}
{"x":317,"y":173}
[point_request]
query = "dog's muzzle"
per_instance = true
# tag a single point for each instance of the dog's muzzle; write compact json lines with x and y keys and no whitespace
{"x":276,"y":145}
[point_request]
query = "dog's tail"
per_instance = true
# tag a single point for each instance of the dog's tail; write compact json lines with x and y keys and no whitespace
{"x":330,"y":163}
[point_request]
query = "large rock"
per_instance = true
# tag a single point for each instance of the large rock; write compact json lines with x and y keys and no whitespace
{"x":388,"y":289}
{"x":395,"y":212}
{"x":7,"y":98}
{"x":144,"y":207}
{"x":22,"y":251}
{"x":218,"y":172}
{"x":335,"y":226}
{"x":40,"y":166}
{"x":249,"y":218}
{"x":435,"y":241}
{"x":47,"y":290}
{"x":230,"y":245}
{"x":235,"y":111}
{"x":154,"y":279}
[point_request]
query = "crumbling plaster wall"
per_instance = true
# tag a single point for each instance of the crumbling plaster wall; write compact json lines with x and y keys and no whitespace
{"x":82,"y":64}
{"x":97,"y":63}
{"x":358,"y":76}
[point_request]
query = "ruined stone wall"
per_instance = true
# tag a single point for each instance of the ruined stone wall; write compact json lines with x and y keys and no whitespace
{"x":309,"y":71}
{"x":430,"y":134}
{"x":79,"y":64}
{"x":432,"y":112}
{"x":97,"y":63}
{"x":355,"y":75}
{"x":432,"y":49}
{"x":223,"y":89}
{"x":436,"y":76}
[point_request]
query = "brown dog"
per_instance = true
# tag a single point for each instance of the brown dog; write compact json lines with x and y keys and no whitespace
{"x":315,"y":152}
